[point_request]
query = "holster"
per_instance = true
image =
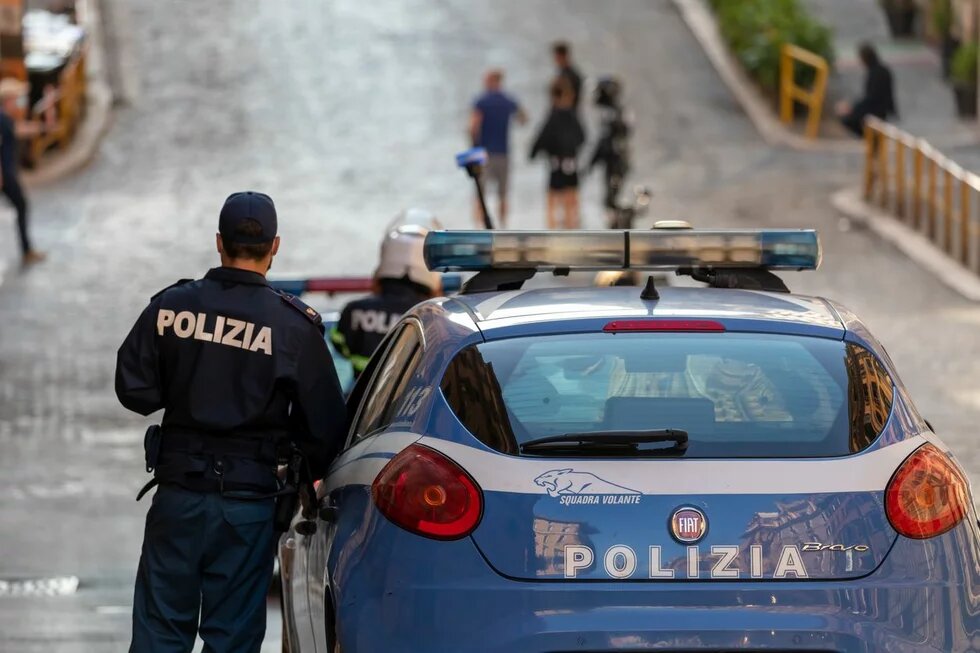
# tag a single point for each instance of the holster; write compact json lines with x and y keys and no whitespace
{"x":286,"y":505}
{"x":151,"y":446}
{"x":288,"y":501}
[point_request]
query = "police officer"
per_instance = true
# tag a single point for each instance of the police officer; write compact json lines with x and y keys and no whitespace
{"x":239,"y":369}
{"x":402,"y":280}
{"x":612,"y":149}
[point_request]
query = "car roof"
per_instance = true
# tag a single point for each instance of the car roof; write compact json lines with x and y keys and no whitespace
{"x":497,"y":310}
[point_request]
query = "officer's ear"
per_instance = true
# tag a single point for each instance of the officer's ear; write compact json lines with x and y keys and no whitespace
{"x":275,"y":246}
{"x":220,"y":245}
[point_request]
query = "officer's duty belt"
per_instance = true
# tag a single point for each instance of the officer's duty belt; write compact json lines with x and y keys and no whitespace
{"x":207,"y":462}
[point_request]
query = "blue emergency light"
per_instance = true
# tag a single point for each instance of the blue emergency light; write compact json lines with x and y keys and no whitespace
{"x":451,"y":283}
{"x":773,"y":249}
{"x":473,"y":156}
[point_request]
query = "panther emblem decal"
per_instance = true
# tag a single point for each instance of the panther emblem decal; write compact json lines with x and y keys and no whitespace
{"x":562,"y":482}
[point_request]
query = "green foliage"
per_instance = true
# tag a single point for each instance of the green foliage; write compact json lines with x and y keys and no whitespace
{"x":942,"y":16}
{"x":963,"y":67}
{"x":757,"y":29}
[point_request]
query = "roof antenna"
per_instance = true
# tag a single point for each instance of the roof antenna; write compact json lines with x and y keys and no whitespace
{"x":650,"y":290}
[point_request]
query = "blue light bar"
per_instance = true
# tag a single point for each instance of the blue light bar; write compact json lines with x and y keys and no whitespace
{"x":775,"y":249}
{"x":451,"y":283}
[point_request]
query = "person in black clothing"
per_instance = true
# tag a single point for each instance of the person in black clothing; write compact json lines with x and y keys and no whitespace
{"x":612,"y":149}
{"x":879,"y":98}
{"x":240,"y":371}
{"x":561,"y":137}
{"x":11,"y":92}
{"x":402,"y":280}
{"x":566,"y":70}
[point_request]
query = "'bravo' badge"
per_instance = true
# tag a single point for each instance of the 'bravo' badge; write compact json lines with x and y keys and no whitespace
{"x":688,"y":525}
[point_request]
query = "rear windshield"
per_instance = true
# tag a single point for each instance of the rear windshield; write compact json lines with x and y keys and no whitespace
{"x":737,"y":395}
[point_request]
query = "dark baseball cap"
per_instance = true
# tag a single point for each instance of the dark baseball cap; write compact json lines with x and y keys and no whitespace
{"x":248,"y":205}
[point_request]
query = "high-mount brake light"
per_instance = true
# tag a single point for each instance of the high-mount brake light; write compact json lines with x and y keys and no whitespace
{"x":775,"y":249}
{"x":428,"y":494}
{"x":927,"y":496}
{"x":627,"y":326}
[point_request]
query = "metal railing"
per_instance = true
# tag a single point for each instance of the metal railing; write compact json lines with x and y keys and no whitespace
{"x":924,"y":189}
{"x":790,"y":93}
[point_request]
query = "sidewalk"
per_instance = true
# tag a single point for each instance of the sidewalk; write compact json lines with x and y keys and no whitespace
{"x":83,"y":147}
{"x":925,"y":100}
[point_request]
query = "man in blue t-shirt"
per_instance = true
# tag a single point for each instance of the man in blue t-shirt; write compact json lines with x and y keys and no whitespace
{"x":489,"y":129}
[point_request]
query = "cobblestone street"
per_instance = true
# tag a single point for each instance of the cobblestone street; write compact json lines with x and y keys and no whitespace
{"x":346,"y":112}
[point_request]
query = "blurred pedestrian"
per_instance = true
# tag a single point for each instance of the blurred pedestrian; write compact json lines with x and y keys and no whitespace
{"x":490,"y":129}
{"x":12,"y":92}
{"x":244,"y":379}
{"x":560,"y":139}
{"x":612,"y":150}
{"x":879,"y":97}
{"x":562,"y":52}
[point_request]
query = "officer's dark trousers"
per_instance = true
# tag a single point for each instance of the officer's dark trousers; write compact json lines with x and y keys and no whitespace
{"x":12,"y":189}
{"x":208,"y":560}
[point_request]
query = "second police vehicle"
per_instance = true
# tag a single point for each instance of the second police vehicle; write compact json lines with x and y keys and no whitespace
{"x":724,"y":468}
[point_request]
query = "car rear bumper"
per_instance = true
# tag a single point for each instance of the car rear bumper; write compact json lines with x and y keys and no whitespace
{"x":924,"y":597}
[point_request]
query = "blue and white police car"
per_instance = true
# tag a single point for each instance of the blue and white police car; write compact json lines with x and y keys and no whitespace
{"x":719,"y":468}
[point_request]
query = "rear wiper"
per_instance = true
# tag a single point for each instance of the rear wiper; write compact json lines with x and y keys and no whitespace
{"x":621,"y":443}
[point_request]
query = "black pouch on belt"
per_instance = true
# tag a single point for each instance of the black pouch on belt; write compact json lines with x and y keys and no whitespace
{"x":151,"y":446}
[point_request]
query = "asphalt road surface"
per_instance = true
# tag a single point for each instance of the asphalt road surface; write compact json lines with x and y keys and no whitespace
{"x":346,"y":112}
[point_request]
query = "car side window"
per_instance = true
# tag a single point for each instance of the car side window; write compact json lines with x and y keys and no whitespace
{"x":388,"y":382}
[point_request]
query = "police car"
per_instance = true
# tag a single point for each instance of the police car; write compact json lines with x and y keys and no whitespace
{"x":720,"y":468}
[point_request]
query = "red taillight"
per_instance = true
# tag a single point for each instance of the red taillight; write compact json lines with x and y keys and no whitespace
{"x":927,"y":496}
{"x":426,"y":493}
{"x":663,"y":325}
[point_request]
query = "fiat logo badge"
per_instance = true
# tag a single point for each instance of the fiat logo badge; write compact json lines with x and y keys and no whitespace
{"x":688,"y":525}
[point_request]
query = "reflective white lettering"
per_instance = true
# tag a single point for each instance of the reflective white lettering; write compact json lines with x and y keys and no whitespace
{"x":656,"y":564}
{"x":755,"y":560}
{"x":199,"y":332}
{"x":790,"y":562}
{"x":165,"y":318}
{"x":184,"y":324}
{"x":722,"y":568}
{"x":577,"y":557}
{"x":235,"y":328}
{"x":188,"y":325}
{"x":620,"y":561}
{"x":372,"y":321}
{"x":263,"y":341}
{"x":693,"y":562}
{"x":247,"y":338}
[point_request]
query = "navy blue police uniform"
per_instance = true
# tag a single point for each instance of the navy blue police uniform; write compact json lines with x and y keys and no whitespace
{"x":240,"y":371}
{"x":364,"y":322}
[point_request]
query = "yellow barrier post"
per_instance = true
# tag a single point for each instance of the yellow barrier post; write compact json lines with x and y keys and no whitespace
{"x":931,"y":224}
{"x":869,"y":160}
{"x":917,"y":188}
{"x":948,"y":212}
{"x":785,"y":84}
{"x":964,"y":222}
{"x":900,"y":178}
{"x":789,"y":92}
{"x":883,"y":169}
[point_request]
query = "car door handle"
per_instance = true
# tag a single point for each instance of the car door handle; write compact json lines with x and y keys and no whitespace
{"x":327,"y":510}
